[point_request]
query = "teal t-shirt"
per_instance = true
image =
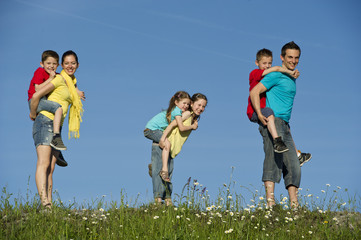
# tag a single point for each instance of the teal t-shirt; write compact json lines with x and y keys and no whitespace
{"x":159,"y":121}
{"x":281,"y":91}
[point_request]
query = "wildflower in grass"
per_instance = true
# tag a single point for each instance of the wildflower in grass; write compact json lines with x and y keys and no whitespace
{"x":323,"y":191}
{"x":325,"y":222}
{"x":84,"y":218}
{"x":155,"y":217}
{"x":343,"y":204}
{"x":334,"y":219}
{"x":247,"y":210}
{"x":188,"y":219}
{"x":175,"y":209}
{"x":261,"y":198}
{"x":288,"y":230}
{"x":243,"y":217}
{"x":263,"y":229}
{"x":309,"y":195}
{"x":209,"y":208}
{"x":320,"y":211}
{"x":267,"y":235}
{"x":338,"y":187}
{"x":230,"y":197}
{"x":196,"y":183}
{"x":94,"y":222}
{"x":145,"y":210}
{"x":328,"y":185}
{"x":252,"y":206}
{"x":190,"y":203}
{"x":228,"y":231}
{"x":277,"y":219}
{"x":231,"y":213}
{"x":252,"y":216}
{"x":310,"y":232}
{"x":178,"y":216}
{"x":101,"y":209}
{"x":209,"y":222}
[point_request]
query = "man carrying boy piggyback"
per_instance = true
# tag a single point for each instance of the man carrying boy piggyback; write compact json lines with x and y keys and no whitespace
{"x":280,"y":90}
{"x":42,"y":76}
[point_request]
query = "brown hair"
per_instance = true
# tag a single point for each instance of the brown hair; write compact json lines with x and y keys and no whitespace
{"x":176,"y":97}
{"x":194,"y":99}
{"x":263,"y":53}
{"x":49,"y":53}
{"x":290,"y":45}
{"x":69,"y":53}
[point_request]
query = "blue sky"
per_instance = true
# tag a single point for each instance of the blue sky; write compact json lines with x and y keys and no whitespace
{"x":135,"y":54}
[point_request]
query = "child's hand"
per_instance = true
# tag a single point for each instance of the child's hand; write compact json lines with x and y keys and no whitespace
{"x":32,"y":117}
{"x":295,"y":73}
{"x":195,"y":125}
{"x":52,"y":74}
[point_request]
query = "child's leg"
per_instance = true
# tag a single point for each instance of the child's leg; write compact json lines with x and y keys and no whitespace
{"x":165,"y":155}
{"x":278,"y":144}
{"x":57,"y":120}
{"x":272,"y":127}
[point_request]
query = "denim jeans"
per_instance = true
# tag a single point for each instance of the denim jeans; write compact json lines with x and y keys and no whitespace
{"x":277,"y":164}
{"x":46,"y":105}
{"x":153,"y":135}
{"x":161,"y":189}
{"x":42,"y":130}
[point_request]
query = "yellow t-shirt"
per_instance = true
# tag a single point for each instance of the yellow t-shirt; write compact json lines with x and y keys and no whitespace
{"x":60,"y":95}
{"x":178,"y":138}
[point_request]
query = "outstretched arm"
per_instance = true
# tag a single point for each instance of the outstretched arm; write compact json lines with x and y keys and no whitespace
{"x":255,"y":99}
{"x":294,"y":73}
{"x":172,"y":125}
{"x":80,"y":93}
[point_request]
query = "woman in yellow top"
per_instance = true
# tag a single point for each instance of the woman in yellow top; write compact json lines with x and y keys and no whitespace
{"x":161,"y":190}
{"x":62,"y":89}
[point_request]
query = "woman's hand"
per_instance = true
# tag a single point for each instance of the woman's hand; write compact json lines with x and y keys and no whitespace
{"x":81,"y":94}
{"x":195,"y":125}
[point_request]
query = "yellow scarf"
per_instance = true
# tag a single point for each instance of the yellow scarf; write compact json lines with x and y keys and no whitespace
{"x":76,"y":108}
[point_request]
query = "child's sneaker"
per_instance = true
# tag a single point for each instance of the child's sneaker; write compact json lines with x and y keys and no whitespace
{"x":60,"y":161}
{"x":279,"y":146}
{"x":57,"y":143}
{"x":304,"y":157}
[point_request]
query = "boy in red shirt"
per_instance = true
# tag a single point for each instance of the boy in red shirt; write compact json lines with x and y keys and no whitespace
{"x":42,"y":76}
{"x":264,"y":63}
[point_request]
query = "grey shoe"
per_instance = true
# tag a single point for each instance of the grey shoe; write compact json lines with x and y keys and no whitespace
{"x":279,"y":146}
{"x":304,"y":157}
{"x":60,"y":161}
{"x":57,"y":143}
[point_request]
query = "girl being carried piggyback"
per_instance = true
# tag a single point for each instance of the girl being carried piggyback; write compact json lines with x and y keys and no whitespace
{"x":178,"y":105}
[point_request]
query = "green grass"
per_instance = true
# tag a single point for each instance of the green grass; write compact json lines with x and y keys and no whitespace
{"x":194,"y":216}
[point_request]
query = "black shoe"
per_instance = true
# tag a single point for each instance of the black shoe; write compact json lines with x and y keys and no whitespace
{"x":60,"y":161}
{"x":57,"y":143}
{"x":279,"y":146}
{"x":304,"y":157}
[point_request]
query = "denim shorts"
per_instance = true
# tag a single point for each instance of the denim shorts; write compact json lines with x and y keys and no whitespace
{"x":42,"y":130}
{"x":278,"y":165}
{"x":46,"y":105}
{"x":265,"y":111}
{"x":154,"y":135}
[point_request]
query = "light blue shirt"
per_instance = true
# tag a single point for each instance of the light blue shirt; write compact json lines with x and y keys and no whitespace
{"x":159,"y":121}
{"x":281,"y":91}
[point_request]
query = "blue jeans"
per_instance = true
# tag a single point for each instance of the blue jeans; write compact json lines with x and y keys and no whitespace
{"x":153,"y":135}
{"x":277,"y":164}
{"x":161,"y":189}
{"x":42,"y":130}
{"x":46,"y":105}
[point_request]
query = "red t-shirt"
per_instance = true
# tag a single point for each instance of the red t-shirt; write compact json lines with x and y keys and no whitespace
{"x":254,"y":78}
{"x":40,"y":76}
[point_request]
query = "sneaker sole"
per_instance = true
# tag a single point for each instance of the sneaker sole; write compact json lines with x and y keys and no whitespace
{"x":58,"y":148}
{"x":277,"y":151}
{"x":306,"y":161}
